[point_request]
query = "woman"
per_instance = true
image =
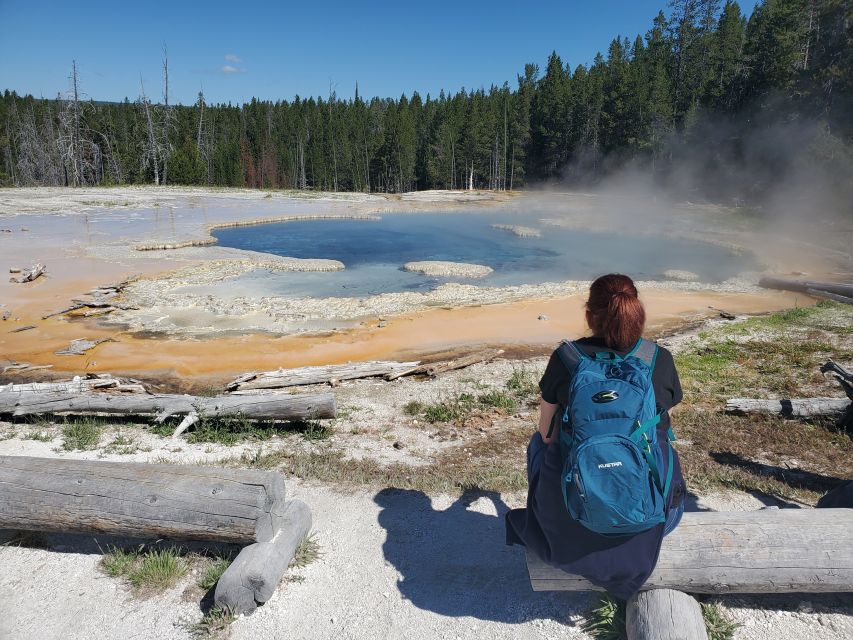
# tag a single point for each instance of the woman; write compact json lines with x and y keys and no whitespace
{"x":620,"y":564}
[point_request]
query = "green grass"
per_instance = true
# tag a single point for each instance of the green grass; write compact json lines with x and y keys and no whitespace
{"x":231,"y":430}
{"x":39,"y":436}
{"x":458,"y":408}
{"x":81,"y":434}
{"x":215,"y":625}
{"x":523,"y":383}
{"x":776,"y":356}
{"x":211,"y":574}
{"x":307,"y":551}
{"x":146,"y":570}
{"x":718,"y":624}
{"x":496,"y":465}
{"x":607,"y":620}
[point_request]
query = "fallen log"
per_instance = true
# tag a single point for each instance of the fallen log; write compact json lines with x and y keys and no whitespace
{"x":92,"y":382}
{"x":163,"y":406}
{"x":826,"y":295}
{"x":28,"y":275}
{"x":803,"y":286}
{"x":664,"y":614}
{"x":140,"y":500}
{"x":24,"y":328}
{"x":255,"y":573}
{"x":766,"y":551}
{"x":80,"y":346}
{"x":25,"y":366}
{"x":434,"y":368}
{"x":793,"y":407}
{"x":315,"y":375}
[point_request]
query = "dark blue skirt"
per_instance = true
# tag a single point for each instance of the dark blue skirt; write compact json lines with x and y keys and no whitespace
{"x":621,"y":565}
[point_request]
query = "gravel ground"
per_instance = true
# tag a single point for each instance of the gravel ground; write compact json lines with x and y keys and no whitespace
{"x":395,"y":564}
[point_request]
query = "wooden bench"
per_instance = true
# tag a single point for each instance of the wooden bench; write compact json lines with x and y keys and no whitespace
{"x":164,"y":501}
{"x":766,"y":551}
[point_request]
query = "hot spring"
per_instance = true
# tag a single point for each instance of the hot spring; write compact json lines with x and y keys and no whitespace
{"x":374,"y":252}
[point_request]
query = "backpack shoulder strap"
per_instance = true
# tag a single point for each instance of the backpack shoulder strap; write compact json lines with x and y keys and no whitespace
{"x":570,"y":355}
{"x":647,"y":351}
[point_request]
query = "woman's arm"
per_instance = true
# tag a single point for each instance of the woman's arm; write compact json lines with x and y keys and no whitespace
{"x":546,"y":415}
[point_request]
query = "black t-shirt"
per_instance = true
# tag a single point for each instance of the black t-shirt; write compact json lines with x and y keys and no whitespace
{"x":620,"y":564}
{"x":555,"y":381}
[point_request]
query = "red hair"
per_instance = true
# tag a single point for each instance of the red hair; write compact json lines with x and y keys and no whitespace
{"x":614,"y":312}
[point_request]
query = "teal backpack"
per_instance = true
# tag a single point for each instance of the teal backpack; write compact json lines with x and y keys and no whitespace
{"x":611,"y":477}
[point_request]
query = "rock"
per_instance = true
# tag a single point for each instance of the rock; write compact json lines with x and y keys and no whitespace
{"x":683,"y":276}
{"x":521,"y":232}
{"x":543,"y":317}
{"x":443,"y":269}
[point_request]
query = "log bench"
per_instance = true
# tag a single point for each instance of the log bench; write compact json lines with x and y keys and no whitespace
{"x":181,"y":502}
{"x":765,"y":551}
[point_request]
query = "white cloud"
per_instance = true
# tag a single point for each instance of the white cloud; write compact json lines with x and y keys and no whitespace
{"x":232,"y":58}
{"x":229,"y":69}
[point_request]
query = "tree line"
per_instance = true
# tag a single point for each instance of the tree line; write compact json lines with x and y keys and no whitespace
{"x":700,"y":82}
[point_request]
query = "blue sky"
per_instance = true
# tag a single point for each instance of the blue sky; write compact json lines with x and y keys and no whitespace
{"x":275,"y":50}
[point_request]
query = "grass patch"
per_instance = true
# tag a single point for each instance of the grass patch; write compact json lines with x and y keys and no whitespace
{"x":717,"y":623}
{"x":146,"y":570}
{"x":523,"y":383}
{"x":215,"y":625}
{"x":122,"y":445}
{"x":81,"y":434}
{"x":39,"y":436}
{"x":607,"y":620}
{"x":495,"y":464}
{"x":459,"y":408}
{"x":307,"y":551}
{"x":776,"y":356}
{"x":211,"y":574}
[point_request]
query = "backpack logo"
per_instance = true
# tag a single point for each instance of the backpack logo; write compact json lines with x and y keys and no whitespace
{"x":605,"y":396}
{"x":609,"y":465}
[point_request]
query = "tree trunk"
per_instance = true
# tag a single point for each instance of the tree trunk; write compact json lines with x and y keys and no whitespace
{"x":255,"y":573}
{"x":270,"y":406}
{"x":140,"y":500}
{"x":316,"y":375}
{"x":838,"y":288}
{"x":766,"y":551}
{"x":664,"y":614}
{"x":795,"y":407}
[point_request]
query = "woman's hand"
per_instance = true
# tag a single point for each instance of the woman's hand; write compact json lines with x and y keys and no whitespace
{"x":546,"y":415}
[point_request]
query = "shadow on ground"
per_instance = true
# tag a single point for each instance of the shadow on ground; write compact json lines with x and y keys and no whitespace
{"x":455,"y":562}
{"x":794,"y":477}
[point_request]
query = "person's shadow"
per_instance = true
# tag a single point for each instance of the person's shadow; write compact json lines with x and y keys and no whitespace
{"x":454,"y":562}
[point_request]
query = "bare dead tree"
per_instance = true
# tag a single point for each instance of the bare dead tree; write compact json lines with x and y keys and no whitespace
{"x":151,"y":146}
{"x":168,"y":120}
{"x":81,"y":156}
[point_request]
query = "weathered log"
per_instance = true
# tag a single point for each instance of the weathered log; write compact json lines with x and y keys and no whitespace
{"x":664,"y":614}
{"x":826,"y":295}
{"x":80,"y":346}
{"x":28,"y":275}
{"x":315,"y":375}
{"x":73,"y":307}
{"x":838,"y":288}
{"x":255,"y":573}
{"x":434,"y":368}
{"x":766,"y":551}
{"x":103,"y":381}
{"x":25,"y":366}
{"x":272,"y":406}
{"x":793,"y":407}
{"x":24,"y":328}
{"x":140,"y":500}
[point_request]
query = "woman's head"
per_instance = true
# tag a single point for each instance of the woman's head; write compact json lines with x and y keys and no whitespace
{"x":614,"y":312}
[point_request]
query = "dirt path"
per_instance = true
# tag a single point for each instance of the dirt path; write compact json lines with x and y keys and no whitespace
{"x":395,"y":564}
